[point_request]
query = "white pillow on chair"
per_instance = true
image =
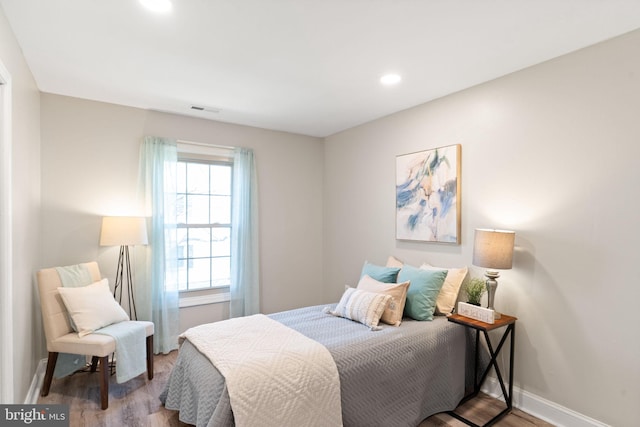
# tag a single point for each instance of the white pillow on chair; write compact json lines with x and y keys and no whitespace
{"x":92,"y":307}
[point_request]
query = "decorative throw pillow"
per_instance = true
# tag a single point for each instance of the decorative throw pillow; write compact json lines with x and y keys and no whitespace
{"x":362,"y":306}
{"x":398,"y":292}
{"x":92,"y":307}
{"x":394,"y":262}
{"x":446,"y":301}
{"x":423,"y":291}
{"x":381,"y":274}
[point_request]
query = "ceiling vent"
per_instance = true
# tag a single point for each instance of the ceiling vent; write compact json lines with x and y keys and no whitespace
{"x":207,"y":109}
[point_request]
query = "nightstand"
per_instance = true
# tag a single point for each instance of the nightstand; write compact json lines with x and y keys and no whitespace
{"x":505,"y":321}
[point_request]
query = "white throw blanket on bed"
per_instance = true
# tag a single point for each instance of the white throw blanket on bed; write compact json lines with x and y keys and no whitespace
{"x":275,"y":376}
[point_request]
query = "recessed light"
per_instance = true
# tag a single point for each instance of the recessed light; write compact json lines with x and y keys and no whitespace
{"x":159,"y":6}
{"x":390,"y":79}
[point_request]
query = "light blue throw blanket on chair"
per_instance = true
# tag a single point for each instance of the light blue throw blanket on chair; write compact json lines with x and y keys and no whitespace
{"x":74,"y":276}
{"x":130,"y":348}
{"x":130,"y":336}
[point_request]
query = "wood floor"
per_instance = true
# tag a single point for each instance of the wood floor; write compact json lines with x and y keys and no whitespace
{"x":136,"y":403}
{"x":480,"y":410}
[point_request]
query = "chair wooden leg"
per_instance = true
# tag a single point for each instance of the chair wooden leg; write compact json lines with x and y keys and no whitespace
{"x":104,"y":382}
{"x":48,"y":376}
{"x":150,"y":357}
{"x":94,"y":363}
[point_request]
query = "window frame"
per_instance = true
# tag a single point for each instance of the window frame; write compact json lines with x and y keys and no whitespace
{"x":207,"y":156}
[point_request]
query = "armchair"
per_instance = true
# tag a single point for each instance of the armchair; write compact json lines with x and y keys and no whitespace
{"x":61,"y":338}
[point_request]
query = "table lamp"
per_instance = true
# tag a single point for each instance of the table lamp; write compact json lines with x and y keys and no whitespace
{"x":493,"y":249}
{"x":124,"y":231}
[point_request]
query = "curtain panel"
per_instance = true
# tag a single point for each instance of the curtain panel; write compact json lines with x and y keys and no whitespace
{"x":245,"y":282}
{"x":160,"y":297}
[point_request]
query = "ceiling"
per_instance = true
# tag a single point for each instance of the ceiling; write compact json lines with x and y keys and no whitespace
{"x":302,"y":66}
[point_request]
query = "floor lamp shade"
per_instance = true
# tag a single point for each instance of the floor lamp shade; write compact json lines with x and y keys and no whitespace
{"x":124,"y":231}
{"x":493,"y":249}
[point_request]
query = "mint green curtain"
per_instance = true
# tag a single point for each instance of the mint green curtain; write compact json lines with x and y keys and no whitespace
{"x":159,"y":298}
{"x":245,"y":283}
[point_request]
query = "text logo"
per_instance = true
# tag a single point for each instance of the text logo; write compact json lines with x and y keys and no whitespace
{"x":34,"y":415}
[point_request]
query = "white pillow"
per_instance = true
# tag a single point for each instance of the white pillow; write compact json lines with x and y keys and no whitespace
{"x":398,"y":292}
{"x":92,"y":307}
{"x":362,"y":306}
{"x":394,"y":262}
{"x":448,"y":295}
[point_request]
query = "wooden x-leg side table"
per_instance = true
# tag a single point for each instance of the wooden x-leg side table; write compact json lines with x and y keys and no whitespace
{"x":479,"y":326}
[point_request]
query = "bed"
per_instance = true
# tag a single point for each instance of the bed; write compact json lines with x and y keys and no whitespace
{"x":396,"y":376}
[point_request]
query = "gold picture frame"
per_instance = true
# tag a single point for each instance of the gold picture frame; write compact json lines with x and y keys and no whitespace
{"x":428,"y":195}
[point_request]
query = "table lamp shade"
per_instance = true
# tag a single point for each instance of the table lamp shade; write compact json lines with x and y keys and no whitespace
{"x":123,"y":231}
{"x":493,"y":249}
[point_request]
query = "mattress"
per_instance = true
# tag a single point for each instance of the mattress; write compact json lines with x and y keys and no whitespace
{"x":397,"y":376}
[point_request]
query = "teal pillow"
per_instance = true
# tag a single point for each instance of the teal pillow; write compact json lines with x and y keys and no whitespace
{"x":423,"y":291}
{"x":381,"y":274}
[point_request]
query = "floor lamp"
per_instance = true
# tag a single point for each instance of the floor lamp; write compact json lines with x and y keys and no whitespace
{"x":124,"y":231}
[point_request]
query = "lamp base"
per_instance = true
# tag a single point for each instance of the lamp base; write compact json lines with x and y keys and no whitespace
{"x":124,"y":269}
{"x":492,"y":285}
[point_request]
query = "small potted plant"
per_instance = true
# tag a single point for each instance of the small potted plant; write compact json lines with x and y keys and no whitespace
{"x":475,"y":288}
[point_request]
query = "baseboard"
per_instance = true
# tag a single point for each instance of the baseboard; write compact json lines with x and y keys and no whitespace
{"x":541,"y":408}
{"x":36,"y":383}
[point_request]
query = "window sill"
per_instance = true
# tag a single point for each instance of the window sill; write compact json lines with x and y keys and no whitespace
{"x":204,"y":299}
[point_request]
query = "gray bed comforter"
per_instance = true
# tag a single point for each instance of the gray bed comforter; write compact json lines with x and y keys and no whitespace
{"x":394,"y":377}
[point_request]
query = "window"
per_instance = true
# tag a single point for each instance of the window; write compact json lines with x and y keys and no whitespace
{"x":204,"y":223}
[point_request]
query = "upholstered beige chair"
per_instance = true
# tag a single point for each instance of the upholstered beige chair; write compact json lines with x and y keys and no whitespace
{"x":61,"y":338}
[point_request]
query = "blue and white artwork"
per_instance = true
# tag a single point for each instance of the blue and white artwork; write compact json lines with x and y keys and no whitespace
{"x":428,"y":195}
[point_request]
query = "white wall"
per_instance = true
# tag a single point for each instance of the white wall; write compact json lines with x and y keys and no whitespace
{"x":25,"y":211}
{"x":90,"y":169}
{"x":552,"y":153}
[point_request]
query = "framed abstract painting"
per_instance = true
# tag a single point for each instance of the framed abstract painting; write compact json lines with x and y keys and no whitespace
{"x":428,"y":195}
